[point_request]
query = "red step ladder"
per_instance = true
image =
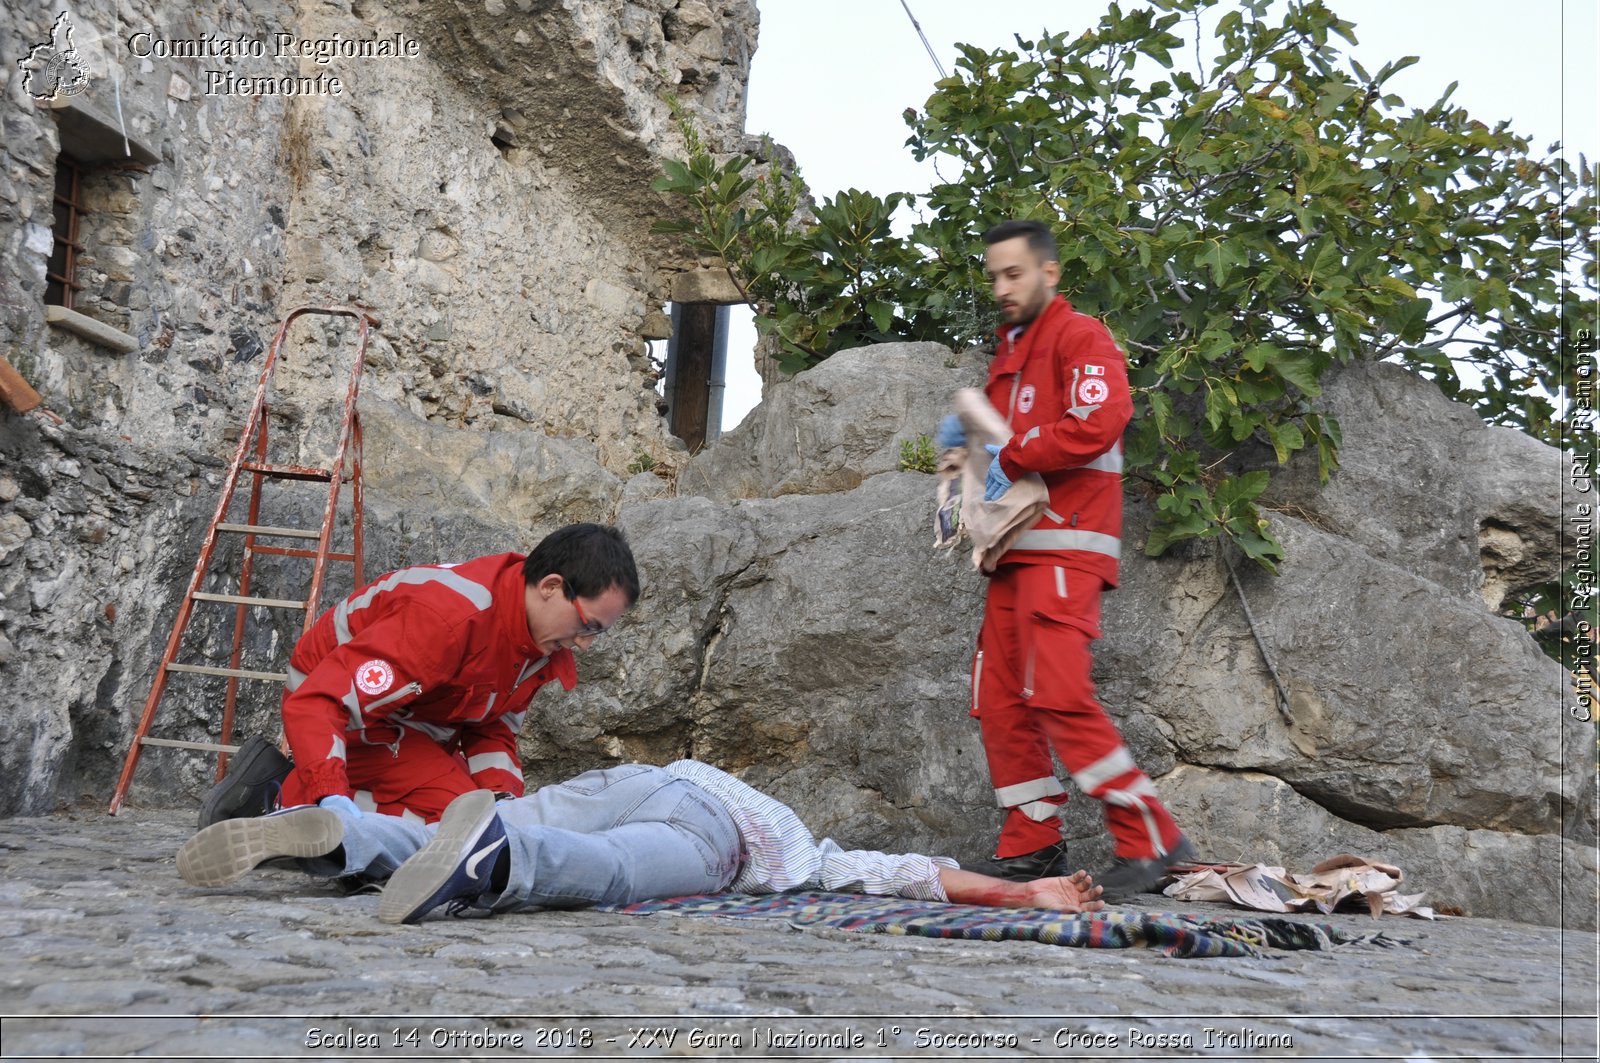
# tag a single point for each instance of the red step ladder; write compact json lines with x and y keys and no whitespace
{"x":254,"y":438}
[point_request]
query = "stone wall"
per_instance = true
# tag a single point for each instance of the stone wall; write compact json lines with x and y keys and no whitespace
{"x":487,"y":198}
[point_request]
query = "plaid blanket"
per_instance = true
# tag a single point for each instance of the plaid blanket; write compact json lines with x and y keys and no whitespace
{"x":1175,"y":935}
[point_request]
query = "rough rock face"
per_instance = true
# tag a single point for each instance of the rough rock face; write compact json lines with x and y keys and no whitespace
{"x":1434,"y":503}
{"x":831,"y":427}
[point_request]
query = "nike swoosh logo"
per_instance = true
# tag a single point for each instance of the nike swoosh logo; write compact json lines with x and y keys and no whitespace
{"x":478,"y":857}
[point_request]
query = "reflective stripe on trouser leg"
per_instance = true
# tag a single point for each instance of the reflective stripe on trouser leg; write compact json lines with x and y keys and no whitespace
{"x":1032,"y":790}
{"x":1020,"y":766}
{"x":1040,"y":811}
{"x":1033,"y":798}
{"x":1141,"y":797}
{"x":1078,"y":728}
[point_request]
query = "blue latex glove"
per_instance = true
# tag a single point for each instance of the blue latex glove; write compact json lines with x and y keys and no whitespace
{"x":950,"y":433}
{"x":997,"y":482}
{"x":341,"y":804}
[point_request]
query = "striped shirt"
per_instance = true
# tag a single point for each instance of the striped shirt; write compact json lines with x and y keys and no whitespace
{"x":782,"y":854}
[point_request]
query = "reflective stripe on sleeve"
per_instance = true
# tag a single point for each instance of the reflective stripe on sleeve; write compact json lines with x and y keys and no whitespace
{"x":352,"y":704}
{"x":476,"y":593}
{"x":1110,"y":461}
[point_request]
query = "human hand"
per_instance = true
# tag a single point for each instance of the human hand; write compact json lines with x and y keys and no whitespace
{"x":341,"y":804}
{"x":997,"y":482}
{"x":1070,"y":893}
{"x":950,"y":433}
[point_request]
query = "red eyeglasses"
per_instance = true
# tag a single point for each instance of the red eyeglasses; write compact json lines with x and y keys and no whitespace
{"x":591,"y":628}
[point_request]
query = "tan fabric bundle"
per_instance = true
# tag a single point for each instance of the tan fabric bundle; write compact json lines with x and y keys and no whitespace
{"x":992,"y":526}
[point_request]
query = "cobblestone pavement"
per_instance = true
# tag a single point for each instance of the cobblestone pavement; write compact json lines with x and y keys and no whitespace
{"x":105,"y":953}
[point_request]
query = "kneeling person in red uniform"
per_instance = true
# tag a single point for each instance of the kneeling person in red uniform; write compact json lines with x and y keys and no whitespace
{"x":411,"y":691}
{"x":1061,"y":382}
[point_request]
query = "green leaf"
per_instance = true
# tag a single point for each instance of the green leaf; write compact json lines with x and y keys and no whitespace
{"x":1300,"y":369}
{"x":1395,"y":284}
{"x":1218,"y":260}
{"x":882,"y":315}
{"x":1286,"y":438}
{"x":1332,"y":96}
{"x":1261,"y":355}
{"x":1246,"y":487}
{"x":1259,"y":544}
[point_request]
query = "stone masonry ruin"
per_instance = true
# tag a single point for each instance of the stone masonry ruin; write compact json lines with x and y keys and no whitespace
{"x":489,"y":200}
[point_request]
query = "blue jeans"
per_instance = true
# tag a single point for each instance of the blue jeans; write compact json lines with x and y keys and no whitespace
{"x":615,"y":836}
{"x":375,"y":845}
{"x":610,"y":836}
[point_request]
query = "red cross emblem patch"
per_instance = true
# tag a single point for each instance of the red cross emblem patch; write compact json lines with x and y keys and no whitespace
{"x":375,"y":677}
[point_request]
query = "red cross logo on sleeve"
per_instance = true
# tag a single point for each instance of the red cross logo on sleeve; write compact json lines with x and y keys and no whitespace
{"x":375,"y":677}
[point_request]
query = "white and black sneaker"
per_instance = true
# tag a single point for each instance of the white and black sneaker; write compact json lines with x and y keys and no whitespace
{"x":227,"y":851}
{"x":457,"y":865}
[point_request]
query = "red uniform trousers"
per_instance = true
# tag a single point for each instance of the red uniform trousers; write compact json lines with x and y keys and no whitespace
{"x":414,"y":779}
{"x":1032,"y":691}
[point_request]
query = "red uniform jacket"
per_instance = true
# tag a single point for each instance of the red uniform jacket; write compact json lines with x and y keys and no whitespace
{"x":437,"y":653}
{"x":1062,"y":383}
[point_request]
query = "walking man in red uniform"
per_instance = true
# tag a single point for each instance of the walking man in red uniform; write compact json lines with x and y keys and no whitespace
{"x":1061,"y":381}
{"x":411,"y":691}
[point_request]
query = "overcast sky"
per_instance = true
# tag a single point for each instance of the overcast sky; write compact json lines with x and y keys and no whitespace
{"x":831,"y":78}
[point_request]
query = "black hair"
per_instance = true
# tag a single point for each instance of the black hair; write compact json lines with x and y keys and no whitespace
{"x":1040,"y":239}
{"x":589,"y":558}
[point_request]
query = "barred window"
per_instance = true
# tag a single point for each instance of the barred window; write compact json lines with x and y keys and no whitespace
{"x":62,"y":285}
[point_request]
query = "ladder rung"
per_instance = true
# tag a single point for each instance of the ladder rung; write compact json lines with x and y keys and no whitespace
{"x":289,"y":551}
{"x":242,"y":673}
{"x":289,"y":472}
{"x":262,"y":529}
{"x":214,"y":747}
{"x":243,"y":599}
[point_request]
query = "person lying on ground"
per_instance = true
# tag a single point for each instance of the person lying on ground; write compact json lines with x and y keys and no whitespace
{"x":610,"y":836}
